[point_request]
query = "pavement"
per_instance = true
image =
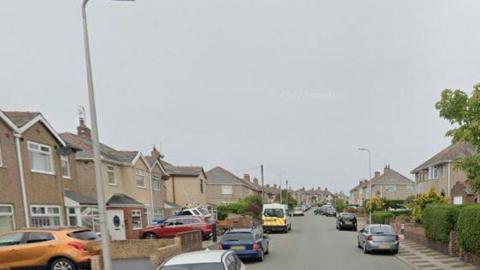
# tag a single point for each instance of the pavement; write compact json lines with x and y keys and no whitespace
{"x":421,"y":257}
{"x":314,"y":243}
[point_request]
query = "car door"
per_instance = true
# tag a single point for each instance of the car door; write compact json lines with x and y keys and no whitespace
{"x":37,"y":248}
{"x":10,"y":244}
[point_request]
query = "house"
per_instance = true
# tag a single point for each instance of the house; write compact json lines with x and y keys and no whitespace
{"x":391,"y":185}
{"x":187,"y":186}
{"x":272,"y":193}
{"x":359,"y":193}
{"x":225,"y":187}
{"x":34,"y":163}
{"x":132,"y":186}
{"x":438,"y":173}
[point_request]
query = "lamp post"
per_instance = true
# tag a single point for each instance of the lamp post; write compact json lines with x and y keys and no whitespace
{"x":102,"y":211}
{"x":369,"y":180}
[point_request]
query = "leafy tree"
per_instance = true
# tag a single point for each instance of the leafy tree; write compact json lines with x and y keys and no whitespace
{"x":463,"y":112}
{"x":422,"y":200}
{"x":375,"y":205}
{"x":339,"y":204}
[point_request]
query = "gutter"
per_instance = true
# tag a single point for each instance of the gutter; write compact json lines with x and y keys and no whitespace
{"x":22,"y":180}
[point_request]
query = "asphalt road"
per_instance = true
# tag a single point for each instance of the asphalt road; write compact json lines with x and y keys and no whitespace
{"x":314,"y":243}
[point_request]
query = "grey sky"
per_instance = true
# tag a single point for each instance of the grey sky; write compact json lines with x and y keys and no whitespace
{"x":297,"y":85}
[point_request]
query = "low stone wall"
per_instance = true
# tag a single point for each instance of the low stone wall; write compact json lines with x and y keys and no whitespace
{"x":416,"y":233}
{"x":156,"y":250}
{"x":473,"y":258}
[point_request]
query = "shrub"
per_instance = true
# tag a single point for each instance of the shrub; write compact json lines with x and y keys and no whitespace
{"x":421,"y":201}
{"x":438,"y":220}
{"x":340,"y":205}
{"x":468,"y":228}
{"x":375,"y":205}
{"x":251,"y":205}
{"x":382,"y":217}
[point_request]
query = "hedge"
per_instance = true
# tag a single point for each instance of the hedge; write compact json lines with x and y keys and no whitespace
{"x":468,"y":228}
{"x":382,"y":217}
{"x":438,"y":220}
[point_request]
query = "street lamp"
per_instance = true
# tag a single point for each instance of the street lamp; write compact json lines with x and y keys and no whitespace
{"x":102,"y":210}
{"x":369,"y":180}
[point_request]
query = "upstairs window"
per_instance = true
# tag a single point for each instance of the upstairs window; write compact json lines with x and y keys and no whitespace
{"x":65,"y":166}
{"x":140,"y":178}
{"x":390,"y":188}
{"x":434,"y":172}
{"x":227,"y":190}
{"x":155,"y":181}
{"x":40,"y":157}
{"x":111,"y":176}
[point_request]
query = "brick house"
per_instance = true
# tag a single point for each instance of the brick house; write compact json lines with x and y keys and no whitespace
{"x":438,"y":173}
{"x":34,"y":163}
{"x":132,"y":186}
{"x":226,"y":187}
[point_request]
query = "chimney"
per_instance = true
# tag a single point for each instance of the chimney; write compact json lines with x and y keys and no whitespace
{"x":82,"y":129}
{"x":377,"y":174}
{"x":255,"y":181}
{"x":155,"y":153}
{"x":274,"y":185}
{"x":387,"y":167}
{"x":246,"y":177}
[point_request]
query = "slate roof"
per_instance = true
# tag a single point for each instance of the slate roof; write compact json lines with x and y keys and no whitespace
{"x":391,"y":177}
{"x":80,"y":198}
{"x":122,"y":199}
{"x":456,"y":150}
{"x":21,"y":118}
{"x":220,"y":176}
{"x":192,"y":171}
{"x":107,"y":152}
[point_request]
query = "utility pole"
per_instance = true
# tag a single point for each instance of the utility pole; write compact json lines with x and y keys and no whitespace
{"x":263,"y":184}
{"x":281,"y":199}
{"x":286,"y":191}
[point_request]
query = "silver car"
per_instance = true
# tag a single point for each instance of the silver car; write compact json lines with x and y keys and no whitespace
{"x":378,"y":237}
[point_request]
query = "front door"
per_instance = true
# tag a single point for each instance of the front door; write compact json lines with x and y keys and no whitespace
{"x":116,"y":224}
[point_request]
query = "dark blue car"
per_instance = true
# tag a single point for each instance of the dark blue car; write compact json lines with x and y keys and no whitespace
{"x":246,"y":243}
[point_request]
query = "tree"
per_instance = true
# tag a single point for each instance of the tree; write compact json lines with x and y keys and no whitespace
{"x":463,"y":113}
{"x":376,"y":204}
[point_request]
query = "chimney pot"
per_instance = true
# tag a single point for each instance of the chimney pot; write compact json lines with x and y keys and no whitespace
{"x":82,"y":129}
{"x":246,"y":177}
{"x":377,"y":173}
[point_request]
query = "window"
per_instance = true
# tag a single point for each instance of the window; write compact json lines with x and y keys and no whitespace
{"x":83,"y":217}
{"x":111,"y":176}
{"x":457,"y":200}
{"x":140,"y":177}
{"x":227,"y":190}
{"x":37,"y":237}
{"x":155,"y":181}
{"x":11,"y":239}
{"x":65,"y":166}
{"x":409,"y":187}
{"x":45,"y":216}
{"x":390,"y":188}
{"x":136,"y":219}
{"x":201,"y":185}
{"x":433,"y":172}
{"x":157,"y":214}
{"x":7,"y":222}
{"x":40,"y":157}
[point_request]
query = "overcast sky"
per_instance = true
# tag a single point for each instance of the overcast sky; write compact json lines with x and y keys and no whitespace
{"x":297,"y":85}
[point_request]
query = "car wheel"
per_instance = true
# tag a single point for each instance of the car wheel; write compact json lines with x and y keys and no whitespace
{"x":63,"y":264}
{"x":395,"y":251}
{"x":150,"y":236}
{"x":355,"y":228}
{"x":268,"y":249}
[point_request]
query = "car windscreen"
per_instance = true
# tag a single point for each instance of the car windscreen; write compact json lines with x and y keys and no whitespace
{"x":196,"y":266}
{"x":203,"y":211}
{"x":273,"y":212}
{"x":348,"y":216}
{"x":84,"y":235}
{"x":238,"y":237}
{"x":381,"y":230}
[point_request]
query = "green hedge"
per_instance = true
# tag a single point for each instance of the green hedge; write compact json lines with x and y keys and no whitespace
{"x":468,"y":228}
{"x":438,"y":220}
{"x":382,"y":217}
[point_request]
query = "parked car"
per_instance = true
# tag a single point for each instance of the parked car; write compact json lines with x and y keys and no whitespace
{"x":317,"y":211}
{"x":298,"y":211}
{"x":246,"y":243}
{"x":378,"y":237}
{"x":197,"y":212}
{"x":276,"y":217}
{"x":175,"y":225}
{"x":62,"y":248}
{"x":204,"y":260}
{"x":347,"y":221}
{"x":330,"y":211}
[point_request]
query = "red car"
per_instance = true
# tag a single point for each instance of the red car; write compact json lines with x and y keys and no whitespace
{"x":175,"y":225}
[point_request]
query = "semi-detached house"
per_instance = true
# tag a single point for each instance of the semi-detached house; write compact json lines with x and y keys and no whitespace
{"x":34,"y":163}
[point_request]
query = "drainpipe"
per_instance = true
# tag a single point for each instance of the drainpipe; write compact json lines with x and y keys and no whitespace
{"x":152,"y":207}
{"x":448,"y":180}
{"x":173,"y":190}
{"x":22,"y":180}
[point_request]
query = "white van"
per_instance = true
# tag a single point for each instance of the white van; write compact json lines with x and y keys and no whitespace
{"x":276,"y":217}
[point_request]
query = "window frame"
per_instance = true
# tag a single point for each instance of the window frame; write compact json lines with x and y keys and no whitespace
{"x":142,"y":173}
{"x":390,"y":188}
{"x":59,"y":215}
{"x":40,"y":145}
{"x":11,"y":214}
{"x":136,"y":214}
{"x":111,"y":171}
{"x":63,"y":159}
{"x":225,"y":186}
{"x":155,"y":175}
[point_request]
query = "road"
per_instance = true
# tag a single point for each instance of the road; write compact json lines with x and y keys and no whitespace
{"x":314,"y":243}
